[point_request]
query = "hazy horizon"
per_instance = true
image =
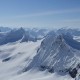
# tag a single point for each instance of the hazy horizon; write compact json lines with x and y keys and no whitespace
{"x":40,"y":13}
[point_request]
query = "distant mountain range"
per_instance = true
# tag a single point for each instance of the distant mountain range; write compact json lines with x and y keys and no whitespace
{"x":24,"y":35}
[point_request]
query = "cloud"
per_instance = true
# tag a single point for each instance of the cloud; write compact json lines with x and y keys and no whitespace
{"x":49,"y":13}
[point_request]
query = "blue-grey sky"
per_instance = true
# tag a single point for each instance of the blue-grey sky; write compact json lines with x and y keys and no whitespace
{"x":40,"y":13}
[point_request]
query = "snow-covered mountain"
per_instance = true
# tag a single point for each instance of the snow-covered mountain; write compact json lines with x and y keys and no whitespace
{"x":55,"y":55}
{"x":29,"y":56}
{"x":73,"y":32}
{"x":38,"y":33}
{"x":22,"y":35}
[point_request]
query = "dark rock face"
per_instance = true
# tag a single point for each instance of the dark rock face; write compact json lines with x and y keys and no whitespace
{"x":42,"y":68}
{"x":24,"y":70}
{"x":78,"y":66}
{"x":7,"y":59}
{"x":51,"y":70}
{"x":73,"y":72}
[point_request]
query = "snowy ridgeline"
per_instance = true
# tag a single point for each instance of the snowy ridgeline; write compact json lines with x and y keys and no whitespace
{"x":54,"y":56}
{"x":22,"y":35}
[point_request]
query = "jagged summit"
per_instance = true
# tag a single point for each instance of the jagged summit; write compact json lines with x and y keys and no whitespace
{"x":55,"y":53}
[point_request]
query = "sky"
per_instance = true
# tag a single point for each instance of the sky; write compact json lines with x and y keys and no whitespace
{"x":40,"y":13}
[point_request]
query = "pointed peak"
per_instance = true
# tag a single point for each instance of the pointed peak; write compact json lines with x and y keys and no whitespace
{"x":21,"y":29}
